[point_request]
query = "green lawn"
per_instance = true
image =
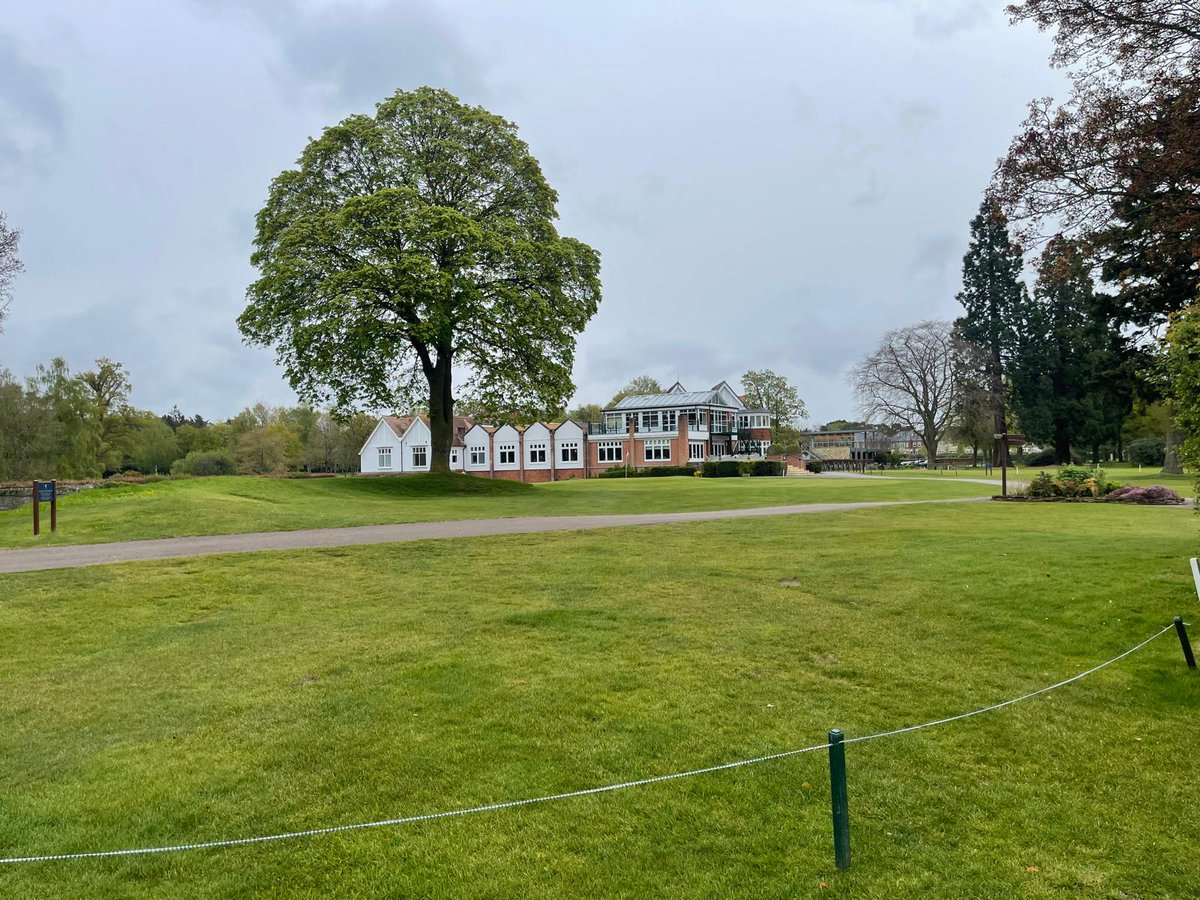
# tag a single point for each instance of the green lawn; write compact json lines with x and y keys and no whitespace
{"x":251,"y":694}
{"x":242,"y":504}
{"x":1123,"y":473}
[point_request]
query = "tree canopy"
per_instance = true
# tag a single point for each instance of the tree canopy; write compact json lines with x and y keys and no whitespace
{"x":763,"y":389}
{"x":416,"y":246}
{"x":642,"y":384}
{"x":911,"y":380}
{"x":10,"y":265}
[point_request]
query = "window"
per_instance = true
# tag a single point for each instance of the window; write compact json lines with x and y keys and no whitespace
{"x":385,"y":457}
{"x":657,"y":450}
{"x":479,"y":456}
{"x":537,"y":453}
{"x":610,"y":451}
{"x":508,"y":454}
{"x":570,"y":451}
{"x":454,"y":457}
{"x":420,"y":457}
{"x":669,"y":421}
{"x":650,"y":420}
{"x":696,"y":451}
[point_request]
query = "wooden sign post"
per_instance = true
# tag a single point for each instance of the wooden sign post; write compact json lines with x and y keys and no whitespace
{"x":45,"y":492}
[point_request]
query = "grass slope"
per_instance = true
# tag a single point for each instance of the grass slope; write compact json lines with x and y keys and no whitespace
{"x":241,"y":504}
{"x":231,"y":696}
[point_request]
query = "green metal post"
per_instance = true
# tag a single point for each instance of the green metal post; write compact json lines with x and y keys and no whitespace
{"x":1184,"y":642}
{"x":840,"y":797}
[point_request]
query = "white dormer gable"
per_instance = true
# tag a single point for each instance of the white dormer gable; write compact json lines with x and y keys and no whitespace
{"x":727,"y":395}
{"x":677,"y":388}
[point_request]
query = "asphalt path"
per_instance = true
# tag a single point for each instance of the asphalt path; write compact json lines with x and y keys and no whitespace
{"x":81,"y":555}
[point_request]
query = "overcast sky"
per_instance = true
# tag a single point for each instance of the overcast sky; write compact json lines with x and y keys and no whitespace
{"x":771,"y":185}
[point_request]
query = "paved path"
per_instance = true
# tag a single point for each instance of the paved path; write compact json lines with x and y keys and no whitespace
{"x":79,"y":555}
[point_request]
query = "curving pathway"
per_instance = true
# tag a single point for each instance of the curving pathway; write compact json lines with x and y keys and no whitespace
{"x":80,"y":555}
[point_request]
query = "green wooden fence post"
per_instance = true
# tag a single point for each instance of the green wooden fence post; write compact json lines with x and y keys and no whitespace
{"x":840,"y":798}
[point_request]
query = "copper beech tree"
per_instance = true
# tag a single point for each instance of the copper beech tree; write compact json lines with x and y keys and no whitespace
{"x":1116,"y":165}
{"x":415,"y":247}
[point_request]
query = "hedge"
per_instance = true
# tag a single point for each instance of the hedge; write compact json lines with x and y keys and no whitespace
{"x":648,"y":472}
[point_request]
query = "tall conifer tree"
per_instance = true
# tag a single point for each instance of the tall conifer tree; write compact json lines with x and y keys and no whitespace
{"x":992,"y":296}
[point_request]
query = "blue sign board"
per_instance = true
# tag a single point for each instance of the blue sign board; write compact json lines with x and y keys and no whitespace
{"x":45,"y":491}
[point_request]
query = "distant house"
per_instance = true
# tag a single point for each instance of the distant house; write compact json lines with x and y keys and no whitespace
{"x":679,"y":428}
{"x":400,"y":444}
{"x":855,"y":444}
{"x":543,"y":451}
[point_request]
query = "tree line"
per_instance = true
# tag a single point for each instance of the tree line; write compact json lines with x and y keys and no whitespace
{"x":1096,"y":203}
{"x":59,"y":424}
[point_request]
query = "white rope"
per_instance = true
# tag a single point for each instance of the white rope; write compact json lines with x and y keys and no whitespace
{"x":977,"y":712}
{"x":512,"y":804}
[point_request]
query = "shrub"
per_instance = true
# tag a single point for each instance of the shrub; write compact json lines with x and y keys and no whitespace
{"x":1041,"y":458}
{"x":765,"y":467}
{"x":1135,"y":494}
{"x":648,"y":472}
{"x":1043,"y":485}
{"x":205,"y":462}
{"x":815,"y":466}
{"x":1146,"y":452}
{"x":745,"y":467}
{"x":729,"y":468}
{"x":709,"y":470}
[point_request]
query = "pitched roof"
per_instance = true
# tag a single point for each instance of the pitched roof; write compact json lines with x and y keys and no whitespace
{"x":686,"y":398}
{"x":401,"y":424}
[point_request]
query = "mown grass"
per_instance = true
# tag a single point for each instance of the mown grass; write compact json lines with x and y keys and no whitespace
{"x":1122,"y":473}
{"x":242,"y":695}
{"x":244,"y":504}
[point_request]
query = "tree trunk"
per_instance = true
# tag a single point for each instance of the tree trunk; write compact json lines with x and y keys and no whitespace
{"x":1062,"y":445}
{"x":441,"y":411}
{"x":1172,"y":463}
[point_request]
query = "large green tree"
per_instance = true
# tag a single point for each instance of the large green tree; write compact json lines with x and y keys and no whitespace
{"x":413,"y":246}
{"x":1183,"y":368}
{"x":642,"y":384}
{"x":1070,"y":381}
{"x":991,"y":295}
{"x":763,"y":389}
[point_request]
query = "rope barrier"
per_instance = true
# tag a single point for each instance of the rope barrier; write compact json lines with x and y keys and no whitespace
{"x":513,"y":804}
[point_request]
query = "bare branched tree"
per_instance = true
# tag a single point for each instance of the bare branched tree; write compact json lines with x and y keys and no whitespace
{"x":10,"y":265}
{"x":911,"y":381}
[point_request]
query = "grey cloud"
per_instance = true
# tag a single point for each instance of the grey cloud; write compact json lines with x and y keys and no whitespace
{"x":871,"y":195}
{"x":944,"y":19}
{"x":934,"y":256}
{"x":916,"y":116}
{"x":32,"y":114}
{"x":360,"y":54}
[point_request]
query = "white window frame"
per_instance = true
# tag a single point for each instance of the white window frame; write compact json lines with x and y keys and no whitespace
{"x":537,"y":453}
{"x":383,"y":453}
{"x":506,"y":455}
{"x":696,"y":451}
{"x":657,"y":450}
{"x":610,"y":451}
{"x":479,"y":455}
{"x":670,"y":419}
{"x":569,"y":451}
{"x":421,"y":461}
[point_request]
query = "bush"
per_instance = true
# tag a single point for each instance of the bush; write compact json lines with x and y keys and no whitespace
{"x":745,"y":467}
{"x":1146,"y":452}
{"x":1134,"y":494}
{"x":767,"y":467}
{"x":205,"y":462}
{"x":648,"y":472}
{"x":725,"y":468}
{"x":1041,"y":458}
{"x":815,"y":466}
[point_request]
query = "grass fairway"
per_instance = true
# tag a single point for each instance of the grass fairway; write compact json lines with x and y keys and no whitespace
{"x":242,"y":504}
{"x":1122,"y":473}
{"x":245,"y":695}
